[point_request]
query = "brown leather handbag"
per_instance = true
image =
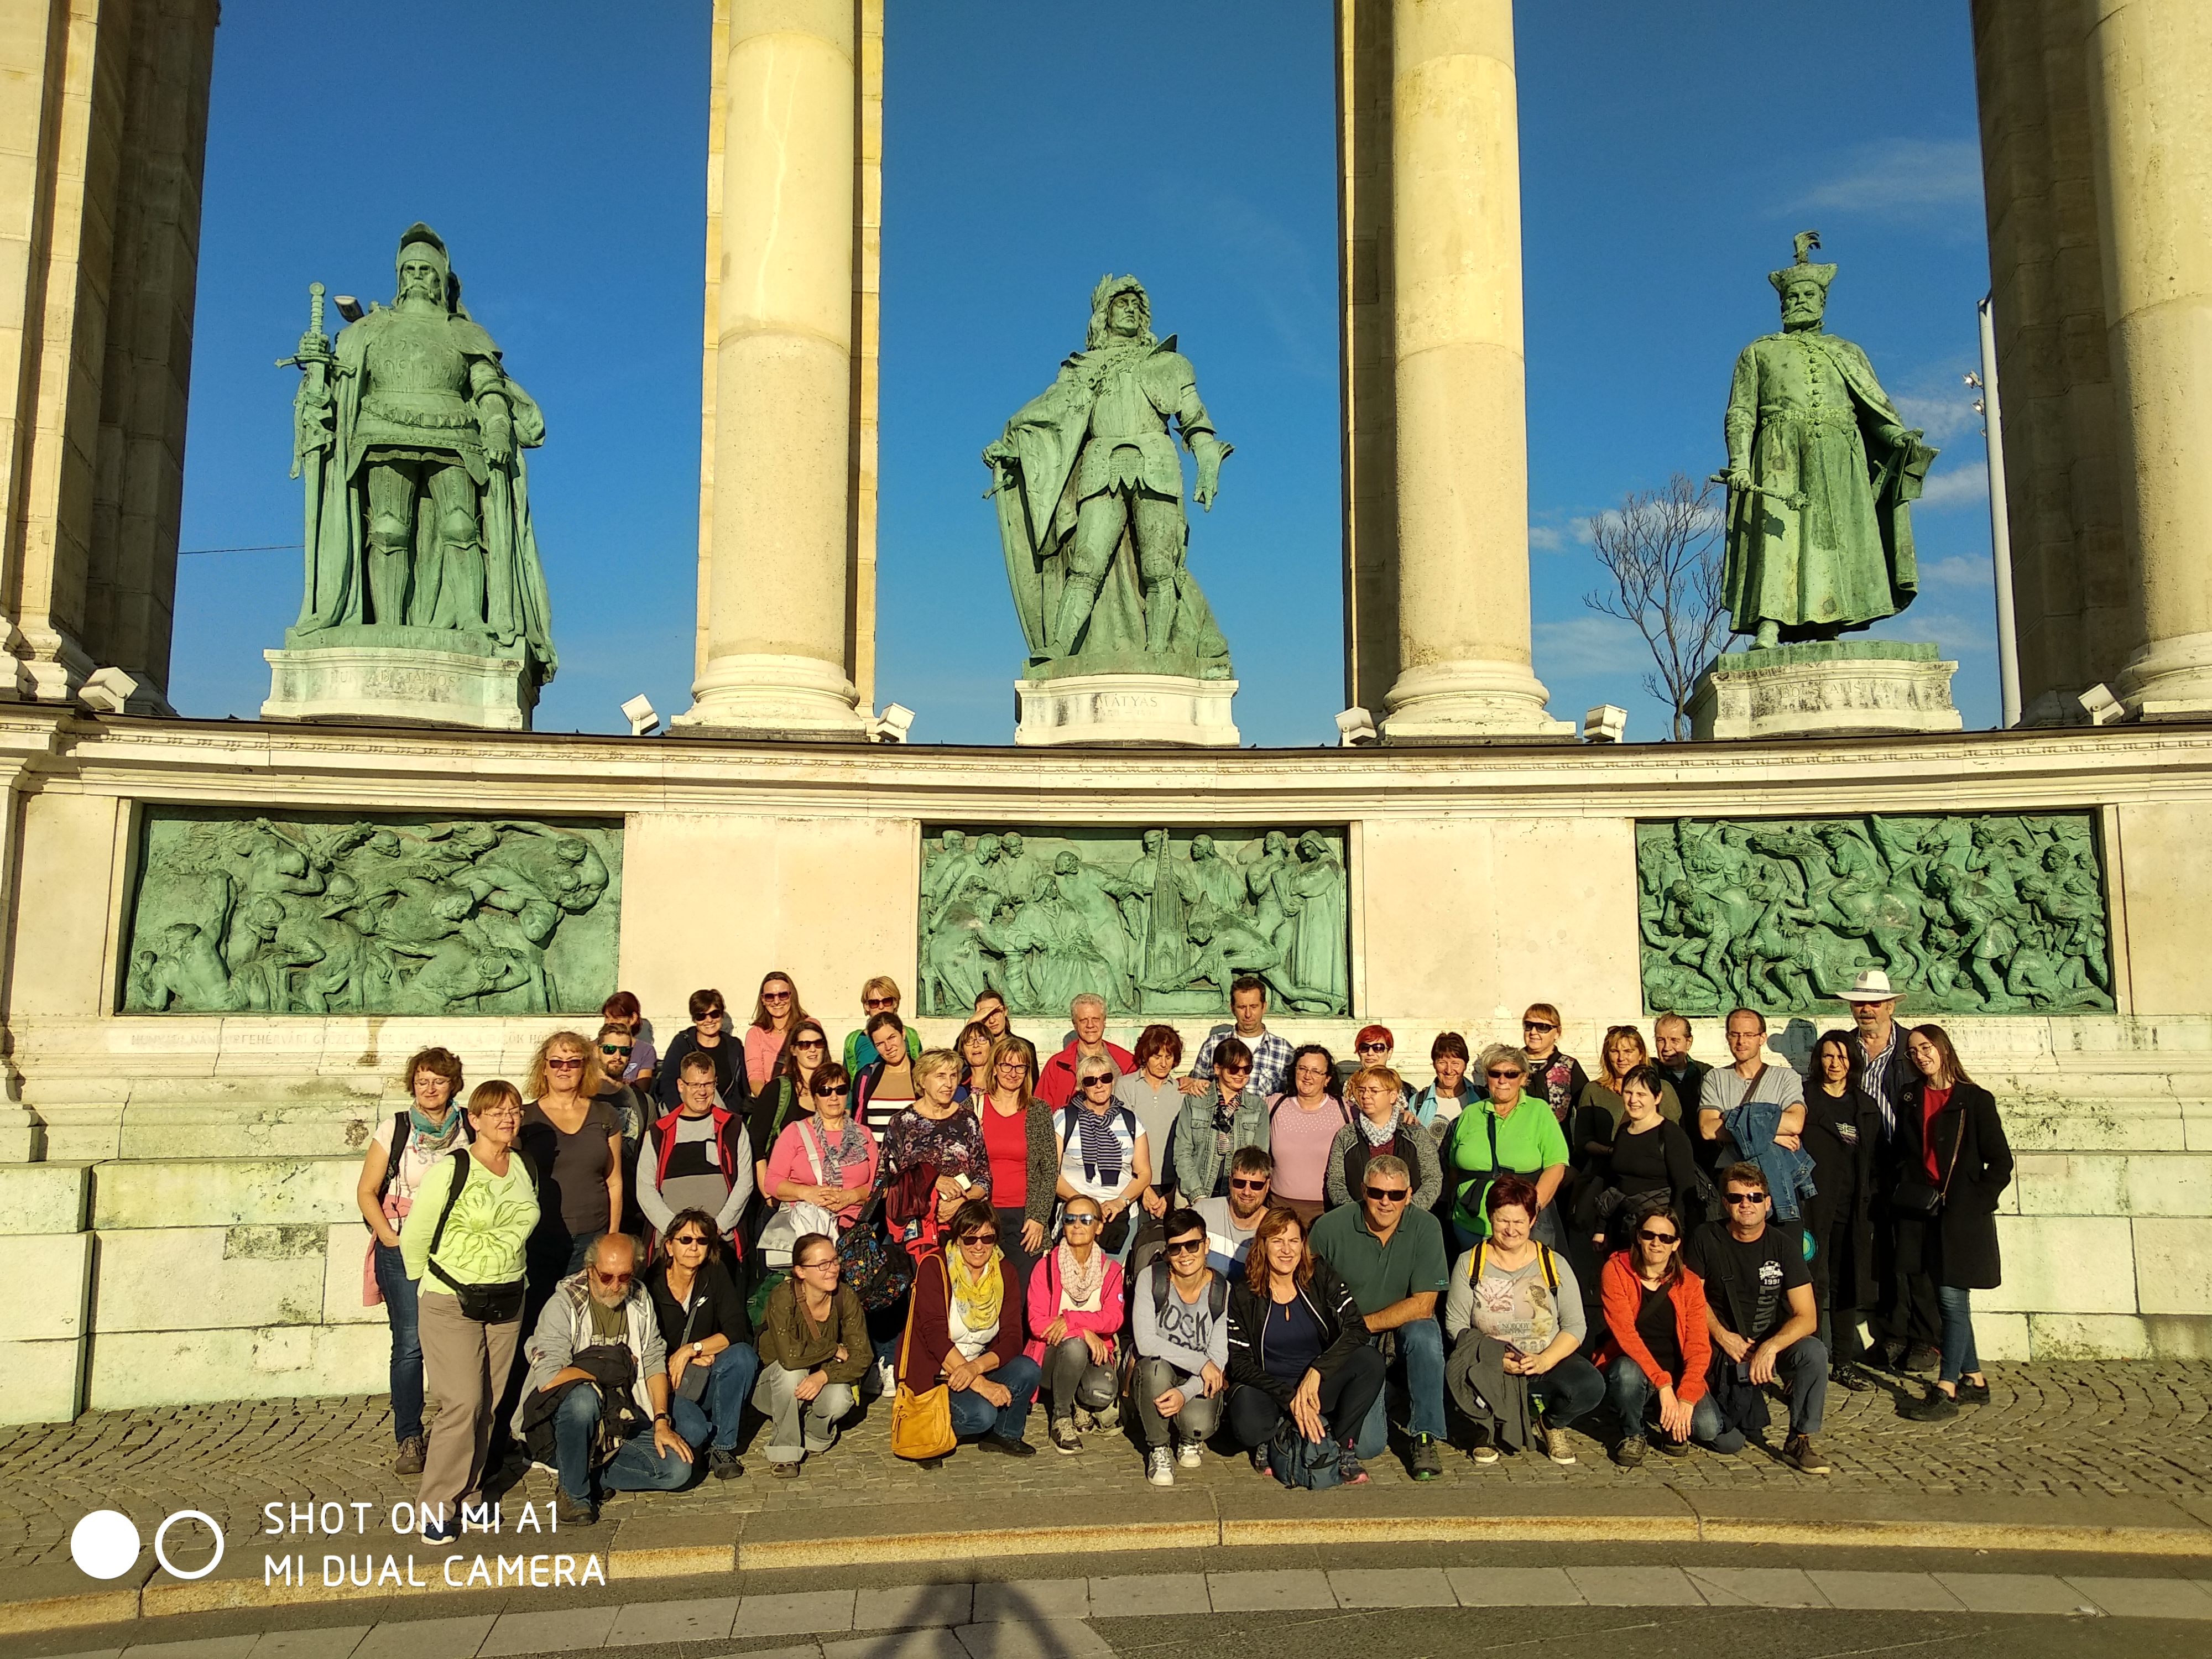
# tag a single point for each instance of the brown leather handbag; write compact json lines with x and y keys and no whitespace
{"x":921,"y":1423}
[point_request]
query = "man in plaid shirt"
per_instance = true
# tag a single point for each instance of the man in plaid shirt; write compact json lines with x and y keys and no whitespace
{"x":1270,"y":1056}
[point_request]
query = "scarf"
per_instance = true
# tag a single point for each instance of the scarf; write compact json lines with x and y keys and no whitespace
{"x":1378,"y":1138}
{"x":835,"y":1154}
{"x":434,"y":1138}
{"x":977,"y":1296}
{"x":1080,"y":1289}
{"x":1102,"y":1152}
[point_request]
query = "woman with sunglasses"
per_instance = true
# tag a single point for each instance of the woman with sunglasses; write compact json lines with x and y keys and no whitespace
{"x":964,"y":1330}
{"x":1843,"y":1134}
{"x":574,"y":1136}
{"x":824,"y":1157}
{"x":1298,"y":1348}
{"x":787,"y":1097}
{"x":776,"y":1014}
{"x":1555,"y":1077}
{"x":1075,"y":1311}
{"x":813,"y":1352}
{"x":1024,"y":1157}
{"x":707,"y":1034}
{"x":1382,"y":1126}
{"x":702,"y":1315}
{"x":1500,"y":1134}
{"x":1655,"y":1348}
{"x":1212,"y":1128}
{"x":879,"y":995}
{"x":1104,"y":1153}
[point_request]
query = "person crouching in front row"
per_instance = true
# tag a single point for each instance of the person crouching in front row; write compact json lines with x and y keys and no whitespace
{"x":964,"y":1329}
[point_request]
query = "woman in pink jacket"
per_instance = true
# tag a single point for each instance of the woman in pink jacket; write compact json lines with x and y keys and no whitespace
{"x":824,"y":1157}
{"x":1075,"y":1309}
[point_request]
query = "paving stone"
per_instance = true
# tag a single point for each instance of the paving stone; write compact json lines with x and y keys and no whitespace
{"x":1022,"y":1600}
{"x":1636,"y":1587}
{"x":1756,"y":1587}
{"x":565,"y":1632}
{"x":1264,"y":1592}
{"x":1513,"y":1586}
{"x":1169,"y":1592}
{"x":427,"y":1638}
{"x":1044,"y":1638}
{"x":328,"y":1643}
{"x":2146,"y":1598}
{"x":208,"y":1647}
{"x":908,"y":1607}
{"x":898,"y":1644}
{"x":2012,"y":1592}
{"x":804,"y":1612}
{"x":1392,"y":1587}
{"x":1901,"y":1592}
{"x":706,"y":1619}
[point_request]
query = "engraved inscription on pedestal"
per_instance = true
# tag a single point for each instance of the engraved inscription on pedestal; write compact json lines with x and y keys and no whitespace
{"x":1156,"y":923}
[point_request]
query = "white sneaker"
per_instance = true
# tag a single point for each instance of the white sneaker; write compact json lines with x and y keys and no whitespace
{"x":1190,"y":1455}
{"x":1159,"y":1466}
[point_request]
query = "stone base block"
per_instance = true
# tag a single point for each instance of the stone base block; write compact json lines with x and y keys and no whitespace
{"x":40,"y":1381}
{"x":400,"y":686}
{"x":1860,"y":687}
{"x":1125,"y":709}
{"x":134,"y":1368}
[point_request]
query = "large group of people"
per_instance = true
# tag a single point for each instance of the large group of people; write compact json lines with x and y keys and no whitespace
{"x":1307,"y":1262}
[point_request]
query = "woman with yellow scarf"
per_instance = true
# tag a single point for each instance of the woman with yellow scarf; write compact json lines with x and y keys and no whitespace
{"x":965,"y":1331}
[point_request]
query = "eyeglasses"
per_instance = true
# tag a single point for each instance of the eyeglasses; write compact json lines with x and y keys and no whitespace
{"x":1186,"y":1247}
{"x":1506,"y":1074}
{"x":567,"y":1064}
{"x":1259,"y":1186}
{"x":1747,"y":1198}
{"x":810,"y":1042}
{"x":829,"y":1261}
{"x":501,"y":1114}
{"x":1094,"y":1082}
{"x":776,"y":996}
{"x":1391,"y":1195}
{"x":1536,"y":1026}
{"x":1374,"y":1047}
{"x":691,"y":1240}
{"x":616,"y":1048}
{"x":876,"y":1005}
{"x":1083,"y":1219}
{"x":1650,"y":1238}
{"x":1014,"y":1064}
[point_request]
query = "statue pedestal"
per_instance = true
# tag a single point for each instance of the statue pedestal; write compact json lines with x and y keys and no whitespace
{"x":398,"y":685}
{"x":1130,"y":710}
{"x":1839,"y":688}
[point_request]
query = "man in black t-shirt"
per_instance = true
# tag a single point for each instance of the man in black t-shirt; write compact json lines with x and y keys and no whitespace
{"x":1760,"y":1309}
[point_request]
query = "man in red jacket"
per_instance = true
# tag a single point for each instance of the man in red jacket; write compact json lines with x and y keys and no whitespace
{"x":1087,"y":1013}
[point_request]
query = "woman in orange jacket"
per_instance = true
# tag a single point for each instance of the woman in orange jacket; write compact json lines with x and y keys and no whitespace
{"x":1656,"y":1350}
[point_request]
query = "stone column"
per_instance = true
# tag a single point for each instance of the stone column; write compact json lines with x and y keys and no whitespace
{"x":774,"y":590}
{"x":2150,"y":101}
{"x":1462,"y":444}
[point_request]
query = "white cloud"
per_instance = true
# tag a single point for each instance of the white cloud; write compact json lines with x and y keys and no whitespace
{"x":1903,"y":177}
{"x":1547,"y":539}
{"x":1961,"y":571}
{"x":1592,"y":645}
{"x":1966,"y":484}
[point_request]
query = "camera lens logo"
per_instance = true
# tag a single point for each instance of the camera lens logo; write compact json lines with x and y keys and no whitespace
{"x":105,"y":1544}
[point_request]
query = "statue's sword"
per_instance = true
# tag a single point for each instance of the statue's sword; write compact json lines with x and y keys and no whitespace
{"x":313,"y":361}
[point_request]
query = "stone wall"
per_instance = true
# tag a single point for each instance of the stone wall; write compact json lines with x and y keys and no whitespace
{"x":180,"y":1187}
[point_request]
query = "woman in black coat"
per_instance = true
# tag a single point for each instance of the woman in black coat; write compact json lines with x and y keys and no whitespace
{"x":1954,"y":1162}
{"x":1843,"y":1128}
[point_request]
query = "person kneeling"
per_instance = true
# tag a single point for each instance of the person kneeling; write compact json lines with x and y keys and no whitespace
{"x":814,"y":1350}
{"x":701,"y":1313}
{"x":1761,"y":1315}
{"x":1298,"y":1350}
{"x":1075,"y":1309}
{"x":964,"y":1330}
{"x":1181,"y":1309}
{"x":596,"y":1398}
{"x":1514,"y":1314}
{"x":1656,"y":1346}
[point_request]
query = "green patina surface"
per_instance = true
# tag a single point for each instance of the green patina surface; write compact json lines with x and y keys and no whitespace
{"x":389,"y":914}
{"x":1089,"y":492}
{"x":1986,"y":913}
{"x":1156,"y":923}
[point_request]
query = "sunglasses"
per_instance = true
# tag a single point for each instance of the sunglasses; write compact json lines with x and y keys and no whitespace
{"x":612,"y":1278}
{"x":1095,"y":1082}
{"x":776,"y":996}
{"x":692,"y":1240}
{"x":985,"y":1239}
{"x":1186,"y":1247}
{"x":1083,"y":1219}
{"x":1536,"y":1026}
{"x":831,"y":1094}
{"x":1259,"y":1186}
{"x":710,"y":1016}
{"x":1389,"y":1195}
{"x":810,"y":1042}
{"x":1506,"y":1074}
{"x":616,"y":1048}
{"x":877,"y":1004}
{"x":1747,"y":1198}
{"x":1234,"y":1071}
{"x":567,"y":1064}
{"x":1374,"y":1047}
{"x":1650,"y":1238}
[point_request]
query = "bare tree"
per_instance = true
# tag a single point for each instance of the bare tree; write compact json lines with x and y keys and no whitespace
{"x":1663,"y":550}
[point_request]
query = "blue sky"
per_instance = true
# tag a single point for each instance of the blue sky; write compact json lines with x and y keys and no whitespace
{"x":559,"y":147}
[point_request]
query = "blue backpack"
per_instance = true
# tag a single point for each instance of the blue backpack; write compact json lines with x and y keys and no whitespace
{"x":1300,"y":1463}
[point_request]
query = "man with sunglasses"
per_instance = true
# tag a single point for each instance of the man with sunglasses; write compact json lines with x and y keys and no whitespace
{"x":1391,"y":1254}
{"x":1761,"y":1314}
{"x":1233,"y":1220}
{"x":1181,"y":1314}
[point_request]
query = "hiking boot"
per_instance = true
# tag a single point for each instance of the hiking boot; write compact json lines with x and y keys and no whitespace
{"x":1801,"y":1455}
{"x":1350,"y":1470}
{"x":1670,"y":1447}
{"x":1159,"y":1466}
{"x":1934,"y":1407}
{"x":1921,"y":1360}
{"x":575,"y":1512}
{"x":1630,"y":1452}
{"x":1005,"y":1445}
{"x":1557,"y":1446}
{"x":409,"y":1460}
{"x":1426,"y":1462}
{"x":1065,"y":1440}
{"x":1190,"y":1455}
{"x":724,"y":1465}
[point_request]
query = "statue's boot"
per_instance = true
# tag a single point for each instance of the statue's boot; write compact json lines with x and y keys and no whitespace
{"x":1159,"y":609}
{"x":1769,"y":636}
{"x":1076,"y":600}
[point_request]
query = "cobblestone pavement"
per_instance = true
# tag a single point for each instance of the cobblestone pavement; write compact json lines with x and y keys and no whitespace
{"x":2050,"y":1431}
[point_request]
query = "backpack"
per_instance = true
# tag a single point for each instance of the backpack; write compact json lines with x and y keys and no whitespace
{"x":1217,"y":1294}
{"x":1303,"y":1464}
{"x":1543,"y":1252}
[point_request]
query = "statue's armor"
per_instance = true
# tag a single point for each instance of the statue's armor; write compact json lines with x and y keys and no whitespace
{"x":1128,"y":443}
{"x":417,"y":392}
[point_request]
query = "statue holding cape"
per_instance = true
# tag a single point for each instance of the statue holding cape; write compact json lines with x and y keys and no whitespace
{"x":1821,"y":474}
{"x":1089,"y":491}
{"x":409,"y":433}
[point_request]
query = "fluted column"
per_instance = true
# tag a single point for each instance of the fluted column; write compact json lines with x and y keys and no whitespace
{"x":774,"y":593}
{"x":2150,"y":101}
{"x":1462,"y":381}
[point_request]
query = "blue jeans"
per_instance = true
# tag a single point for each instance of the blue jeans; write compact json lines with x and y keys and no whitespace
{"x":972,"y":1414}
{"x":1633,"y":1397}
{"x":637,"y":1467}
{"x":1959,"y":1357}
{"x":1420,"y":1367}
{"x":729,"y":1385}
{"x":400,"y":1306}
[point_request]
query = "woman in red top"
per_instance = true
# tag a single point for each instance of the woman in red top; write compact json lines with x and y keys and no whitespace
{"x":1025,"y":1155}
{"x":1655,"y":1343}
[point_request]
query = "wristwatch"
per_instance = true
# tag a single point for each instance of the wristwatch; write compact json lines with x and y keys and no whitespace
{"x":663,"y":1417}
{"x":698,"y":1351}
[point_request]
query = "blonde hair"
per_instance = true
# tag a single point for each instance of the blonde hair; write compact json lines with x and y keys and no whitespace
{"x":882,"y":984}
{"x":930,"y":1061}
{"x":588,"y":1080}
{"x":1382,"y":1074}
